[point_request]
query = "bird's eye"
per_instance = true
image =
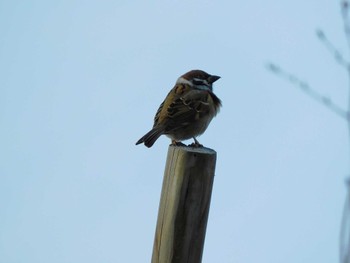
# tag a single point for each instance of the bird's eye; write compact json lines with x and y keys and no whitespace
{"x":198,"y":82}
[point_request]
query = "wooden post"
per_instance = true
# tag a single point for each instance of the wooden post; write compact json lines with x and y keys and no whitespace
{"x":184,"y":205}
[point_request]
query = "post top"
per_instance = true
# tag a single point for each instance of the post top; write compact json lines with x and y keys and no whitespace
{"x":202,"y":150}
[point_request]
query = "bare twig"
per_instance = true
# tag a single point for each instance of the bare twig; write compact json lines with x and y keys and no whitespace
{"x":305,"y":87}
{"x":345,"y":225}
{"x":344,"y":246}
{"x":345,"y":229}
{"x":345,"y":16}
{"x":334,"y":51}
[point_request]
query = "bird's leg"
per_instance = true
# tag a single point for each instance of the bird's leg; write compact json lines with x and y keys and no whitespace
{"x":196,"y":143}
{"x":175,"y":143}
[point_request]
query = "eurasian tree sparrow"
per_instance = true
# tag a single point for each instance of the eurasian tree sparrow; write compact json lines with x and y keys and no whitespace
{"x":187,"y":109}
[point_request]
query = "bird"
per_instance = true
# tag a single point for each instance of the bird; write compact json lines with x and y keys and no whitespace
{"x":186,"y":111}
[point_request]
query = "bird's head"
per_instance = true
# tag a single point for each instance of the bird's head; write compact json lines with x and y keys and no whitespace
{"x":198,"y":79}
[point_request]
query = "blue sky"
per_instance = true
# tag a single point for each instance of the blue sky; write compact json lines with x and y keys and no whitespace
{"x":80,"y":84}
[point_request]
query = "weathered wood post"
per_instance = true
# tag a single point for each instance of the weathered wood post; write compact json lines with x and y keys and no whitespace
{"x":184,"y":205}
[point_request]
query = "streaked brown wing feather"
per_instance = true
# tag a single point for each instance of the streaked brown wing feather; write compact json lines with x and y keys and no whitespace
{"x":156,"y":117}
{"x":187,"y":109}
{"x":174,"y":94}
{"x":184,"y":105}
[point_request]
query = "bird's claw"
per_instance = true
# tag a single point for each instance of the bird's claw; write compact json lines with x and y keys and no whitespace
{"x":195,"y":145}
{"x":175,"y":143}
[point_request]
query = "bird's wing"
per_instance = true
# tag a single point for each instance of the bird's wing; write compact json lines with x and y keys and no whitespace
{"x":174,"y":94}
{"x":188,"y":109}
{"x":184,"y":105}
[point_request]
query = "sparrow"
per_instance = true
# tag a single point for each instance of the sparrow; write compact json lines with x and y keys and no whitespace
{"x":186,"y":111}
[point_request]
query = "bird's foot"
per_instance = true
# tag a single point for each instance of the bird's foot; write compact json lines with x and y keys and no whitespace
{"x":195,"y":144}
{"x":175,"y":143}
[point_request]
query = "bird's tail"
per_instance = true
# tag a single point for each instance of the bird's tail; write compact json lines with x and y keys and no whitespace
{"x":150,"y":137}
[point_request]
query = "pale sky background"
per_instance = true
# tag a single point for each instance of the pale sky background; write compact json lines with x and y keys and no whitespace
{"x":80,"y":84}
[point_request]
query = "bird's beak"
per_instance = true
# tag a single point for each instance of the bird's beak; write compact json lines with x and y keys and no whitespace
{"x":213,"y":78}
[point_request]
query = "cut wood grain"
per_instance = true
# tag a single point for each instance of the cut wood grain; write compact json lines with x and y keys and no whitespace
{"x":184,"y":205}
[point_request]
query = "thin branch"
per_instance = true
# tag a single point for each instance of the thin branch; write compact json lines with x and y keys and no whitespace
{"x":344,"y":249}
{"x":332,"y":49}
{"x":345,"y":228}
{"x":345,"y":225}
{"x":345,"y":16}
{"x":305,"y":87}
